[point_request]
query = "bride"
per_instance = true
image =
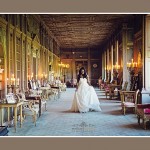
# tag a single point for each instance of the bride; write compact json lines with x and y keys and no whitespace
{"x":85,"y":98}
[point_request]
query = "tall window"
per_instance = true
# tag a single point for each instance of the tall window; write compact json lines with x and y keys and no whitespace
{"x":11,"y":55}
{"x":29,"y":62}
{"x":23,"y":62}
{"x":18,"y":60}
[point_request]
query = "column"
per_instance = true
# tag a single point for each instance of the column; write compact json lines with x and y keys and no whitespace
{"x":14,"y":59}
{"x":8,"y":52}
{"x":26,"y":55}
{"x":22,"y":72}
{"x":117,"y":52}
{"x":108,"y":67}
{"x":48,"y":65}
{"x":105,"y":58}
{"x":40,"y":63}
{"x":112,"y":56}
{"x":103,"y":65}
{"x":74,"y":67}
{"x":26,"y":64}
{"x":46,"y":55}
{"x":124,"y":45}
{"x":89,"y":64}
{"x":5,"y":62}
{"x":52,"y":58}
{"x":143,"y":50}
{"x":31,"y":60}
{"x":37,"y":62}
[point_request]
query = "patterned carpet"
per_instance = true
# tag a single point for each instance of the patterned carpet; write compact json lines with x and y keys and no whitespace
{"x":58,"y":121}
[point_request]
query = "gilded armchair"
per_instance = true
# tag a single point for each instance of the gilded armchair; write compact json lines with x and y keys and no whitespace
{"x":129,"y":100}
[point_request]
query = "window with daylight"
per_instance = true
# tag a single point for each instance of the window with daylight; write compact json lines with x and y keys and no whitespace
{"x":18,"y":59}
{"x":11,"y":57}
{"x":29,"y":61}
{"x":23,"y":62}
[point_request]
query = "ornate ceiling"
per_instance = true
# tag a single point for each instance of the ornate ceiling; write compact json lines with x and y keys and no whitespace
{"x":83,"y":30}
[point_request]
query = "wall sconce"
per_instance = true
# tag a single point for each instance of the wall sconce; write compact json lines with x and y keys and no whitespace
{"x":60,"y":65}
{"x":67,"y":66}
{"x":132,"y":66}
{"x":108,"y":68}
{"x":116,"y":66}
{"x":29,"y":77}
{"x":64,"y":65}
{"x":1,"y":69}
{"x":32,"y":75}
{"x":43,"y":75}
{"x":12,"y":81}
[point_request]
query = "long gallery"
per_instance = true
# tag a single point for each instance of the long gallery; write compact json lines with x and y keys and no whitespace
{"x":40,"y":57}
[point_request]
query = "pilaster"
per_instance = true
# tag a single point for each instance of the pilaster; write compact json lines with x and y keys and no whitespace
{"x":124,"y":45}
{"x":73,"y":66}
{"x":89,"y":64}
{"x":112,"y":56}
{"x":147,"y":53}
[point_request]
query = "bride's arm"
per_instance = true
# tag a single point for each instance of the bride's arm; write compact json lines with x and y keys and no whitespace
{"x":76,"y":86}
{"x":88,"y":81}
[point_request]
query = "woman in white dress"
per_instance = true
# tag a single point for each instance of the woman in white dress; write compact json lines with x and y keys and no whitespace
{"x":85,"y":97}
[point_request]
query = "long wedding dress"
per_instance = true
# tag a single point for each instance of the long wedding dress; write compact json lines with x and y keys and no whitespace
{"x":85,"y":98}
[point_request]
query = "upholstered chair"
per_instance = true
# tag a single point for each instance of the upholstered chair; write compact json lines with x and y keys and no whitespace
{"x":28,"y":108}
{"x":129,"y":100}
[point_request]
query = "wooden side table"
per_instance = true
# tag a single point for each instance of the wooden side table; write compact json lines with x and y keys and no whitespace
{"x":15,"y":106}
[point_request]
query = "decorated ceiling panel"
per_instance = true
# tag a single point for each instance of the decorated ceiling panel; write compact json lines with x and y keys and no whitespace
{"x":83,"y":30}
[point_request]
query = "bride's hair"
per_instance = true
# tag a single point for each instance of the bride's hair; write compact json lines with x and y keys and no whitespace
{"x":80,"y":72}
